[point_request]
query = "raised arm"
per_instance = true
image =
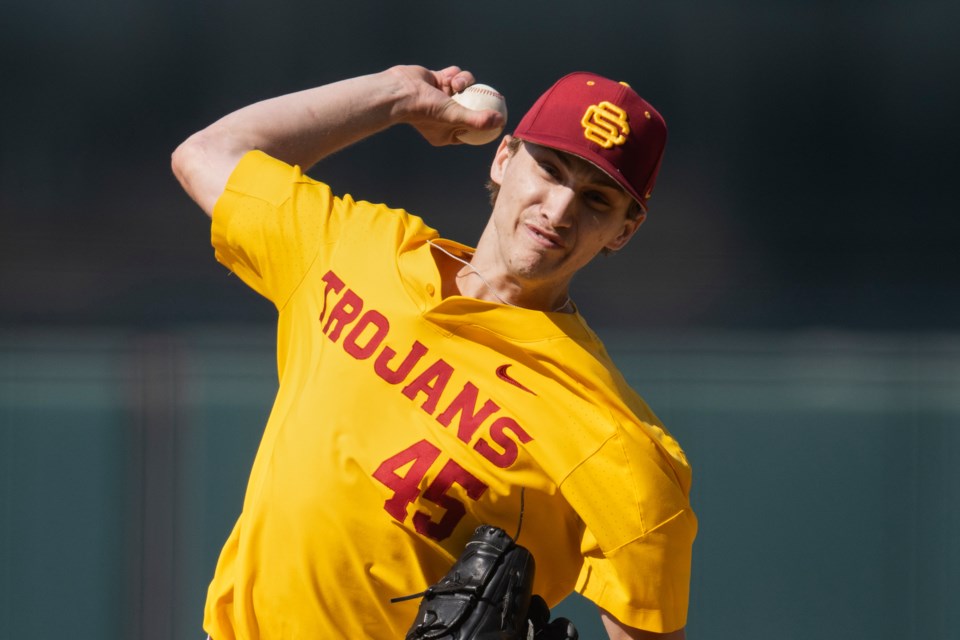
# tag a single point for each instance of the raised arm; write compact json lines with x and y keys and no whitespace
{"x":302,"y":128}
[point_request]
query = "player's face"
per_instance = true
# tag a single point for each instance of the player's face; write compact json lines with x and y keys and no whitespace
{"x":555,"y":212}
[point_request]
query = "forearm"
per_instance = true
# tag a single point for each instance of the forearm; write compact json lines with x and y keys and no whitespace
{"x":299,"y":128}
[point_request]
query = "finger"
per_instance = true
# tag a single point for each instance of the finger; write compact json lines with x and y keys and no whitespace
{"x":450,"y":71}
{"x":445,"y":79}
{"x":454,"y":79}
{"x":456,"y":113}
{"x":461,"y":81}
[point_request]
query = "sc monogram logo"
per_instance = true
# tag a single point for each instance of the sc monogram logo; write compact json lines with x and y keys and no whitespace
{"x":606,"y":124}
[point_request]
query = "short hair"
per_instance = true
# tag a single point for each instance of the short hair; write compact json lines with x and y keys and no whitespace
{"x":634,"y":210}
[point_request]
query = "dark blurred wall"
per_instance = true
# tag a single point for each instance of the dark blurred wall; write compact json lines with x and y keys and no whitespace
{"x":807,"y":183}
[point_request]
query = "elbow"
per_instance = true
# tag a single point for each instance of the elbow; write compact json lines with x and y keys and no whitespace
{"x":185,"y":161}
{"x":178,"y":161}
{"x":194,"y":171}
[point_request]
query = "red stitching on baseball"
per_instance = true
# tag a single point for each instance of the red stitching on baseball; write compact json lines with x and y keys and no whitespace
{"x":495,"y":94}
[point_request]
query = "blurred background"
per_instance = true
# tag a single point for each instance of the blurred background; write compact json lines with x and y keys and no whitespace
{"x":789,"y":309}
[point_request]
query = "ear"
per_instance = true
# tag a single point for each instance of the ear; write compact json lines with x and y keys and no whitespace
{"x":499,"y":164}
{"x":630,"y":226}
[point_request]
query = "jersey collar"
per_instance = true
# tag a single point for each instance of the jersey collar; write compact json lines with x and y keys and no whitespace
{"x":455,"y":314}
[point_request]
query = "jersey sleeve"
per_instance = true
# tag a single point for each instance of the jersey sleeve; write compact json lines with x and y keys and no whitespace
{"x":639,"y":532}
{"x":270,"y":222}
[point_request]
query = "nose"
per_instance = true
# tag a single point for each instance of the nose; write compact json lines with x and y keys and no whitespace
{"x":558,"y":206}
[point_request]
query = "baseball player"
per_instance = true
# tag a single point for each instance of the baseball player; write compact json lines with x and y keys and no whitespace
{"x":427,"y":388}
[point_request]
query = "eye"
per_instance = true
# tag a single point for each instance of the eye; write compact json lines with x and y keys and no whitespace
{"x":550,"y":169}
{"x":598,"y":199}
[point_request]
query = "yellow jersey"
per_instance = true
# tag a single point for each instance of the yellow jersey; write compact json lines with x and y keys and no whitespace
{"x":403,"y":420}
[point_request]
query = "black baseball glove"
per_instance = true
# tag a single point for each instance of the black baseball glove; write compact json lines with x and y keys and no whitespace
{"x":486,"y":595}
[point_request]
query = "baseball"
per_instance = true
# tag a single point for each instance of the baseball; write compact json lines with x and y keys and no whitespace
{"x":480,"y":97}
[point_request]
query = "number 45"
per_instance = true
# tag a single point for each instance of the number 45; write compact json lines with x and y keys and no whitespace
{"x":406,"y":488}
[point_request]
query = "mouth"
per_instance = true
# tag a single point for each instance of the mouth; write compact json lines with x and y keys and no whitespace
{"x":544,"y":238}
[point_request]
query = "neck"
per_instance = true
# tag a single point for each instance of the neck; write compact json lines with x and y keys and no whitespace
{"x":473,"y":283}
{"x":460,"y":276}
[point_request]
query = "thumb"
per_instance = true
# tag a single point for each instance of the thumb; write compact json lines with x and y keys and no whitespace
{"x":456,"y":113}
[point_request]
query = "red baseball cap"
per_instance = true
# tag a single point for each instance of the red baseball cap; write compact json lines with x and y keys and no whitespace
{"x":604,"y":122}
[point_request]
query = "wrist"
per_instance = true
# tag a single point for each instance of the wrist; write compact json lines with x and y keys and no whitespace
{"x":404,"y":88}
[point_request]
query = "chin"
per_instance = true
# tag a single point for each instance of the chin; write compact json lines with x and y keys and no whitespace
{"x":536,"y":270}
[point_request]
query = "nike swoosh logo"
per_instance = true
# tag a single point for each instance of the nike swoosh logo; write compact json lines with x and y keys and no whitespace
{"x":506,"y":377}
